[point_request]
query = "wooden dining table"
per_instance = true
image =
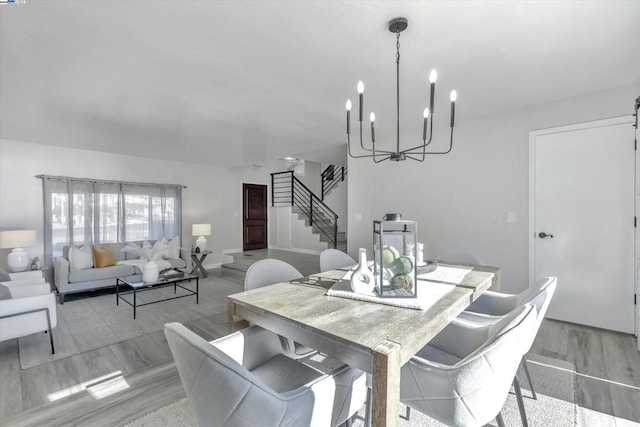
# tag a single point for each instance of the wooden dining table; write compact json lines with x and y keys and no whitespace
{"x":376,"y":338}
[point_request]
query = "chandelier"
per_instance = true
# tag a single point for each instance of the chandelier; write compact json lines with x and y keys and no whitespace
{"x":419,"y":152}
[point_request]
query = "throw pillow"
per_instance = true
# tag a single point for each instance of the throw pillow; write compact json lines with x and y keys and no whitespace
{"x":134,"y":249}
{"x":174,"y":248}
{"x":103,"y":257}
{"x":146,"y":250}
{"x":159,"y":251}
{"x":80,"y":258}
{"x":5,"y":292}
{"x":4,"y":276}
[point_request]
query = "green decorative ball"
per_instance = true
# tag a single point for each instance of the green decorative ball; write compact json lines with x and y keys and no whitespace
{"x":403,"y":281}
{"x":403,"y":265}
{"x":389,"y":256}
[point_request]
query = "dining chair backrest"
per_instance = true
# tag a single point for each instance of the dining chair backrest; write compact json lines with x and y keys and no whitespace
{"x":472,"y":391}
{"x":331,"y":259}
{"x":235,"y":380}
{"x":460,"y":256}
{"x":269,"y":271}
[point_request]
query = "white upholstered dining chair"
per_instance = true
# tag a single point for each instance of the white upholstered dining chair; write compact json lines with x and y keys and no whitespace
{"x":267,"y":272}
{"x":463,"y":376}
{"x":492,"y":306}
{"x":331,"y":259}
{"x":245,"y":379}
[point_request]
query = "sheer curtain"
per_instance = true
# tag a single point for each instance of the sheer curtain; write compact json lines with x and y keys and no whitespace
{"x":79,"y":211}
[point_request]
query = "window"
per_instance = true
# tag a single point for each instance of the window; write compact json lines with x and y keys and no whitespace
{"x":83,"y":211}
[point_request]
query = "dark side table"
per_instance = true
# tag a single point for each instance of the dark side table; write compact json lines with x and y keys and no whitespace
{"x":198,"y":259}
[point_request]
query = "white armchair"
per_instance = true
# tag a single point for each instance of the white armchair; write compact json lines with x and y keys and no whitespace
{"x":462,"y":377}
{"x":30,"y":309}
{"x":245,"y":379}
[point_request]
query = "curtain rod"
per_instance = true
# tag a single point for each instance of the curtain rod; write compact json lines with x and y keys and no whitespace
{"x":104,"y":181}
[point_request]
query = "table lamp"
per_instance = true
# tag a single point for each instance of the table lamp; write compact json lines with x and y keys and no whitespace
{"x":201,"y":230}
{"x":18,"y":259}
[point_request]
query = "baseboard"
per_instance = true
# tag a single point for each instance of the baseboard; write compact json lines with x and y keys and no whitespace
{"x":299,"y":250}
{"x":231,"y":251}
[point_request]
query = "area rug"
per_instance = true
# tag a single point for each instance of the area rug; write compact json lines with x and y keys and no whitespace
{"x":554,"y":381}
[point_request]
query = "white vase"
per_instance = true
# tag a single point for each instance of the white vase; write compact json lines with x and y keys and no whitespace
{"x":150,"y":272}
{"x":362,"y":280}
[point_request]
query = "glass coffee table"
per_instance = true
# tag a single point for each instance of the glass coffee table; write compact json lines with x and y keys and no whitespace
{"x":137,"y":285}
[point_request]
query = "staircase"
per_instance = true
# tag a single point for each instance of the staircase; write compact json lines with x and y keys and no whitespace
{"x":341,"y":237}
{"x":332,"y":176}
{"x":287,"y":190}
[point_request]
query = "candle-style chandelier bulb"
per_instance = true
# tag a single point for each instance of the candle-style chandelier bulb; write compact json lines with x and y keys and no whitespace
{"x":433,"y":76}
{"x":425,"y":113}
{"x":348,"y":105}
{"x":372,"y":117}
{"x":453,"y":96}
{"x":360,"y":87}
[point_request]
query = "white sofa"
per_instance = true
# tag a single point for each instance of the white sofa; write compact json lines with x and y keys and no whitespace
{"x":31,"y":308}
{"x":69,"y":281}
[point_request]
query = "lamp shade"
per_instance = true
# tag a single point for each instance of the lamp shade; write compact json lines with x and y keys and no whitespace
{"x":201,"y":230}
{"x":17,"y":238}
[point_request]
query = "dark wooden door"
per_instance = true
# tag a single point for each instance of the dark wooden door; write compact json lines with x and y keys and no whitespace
{"x":254,"y":216}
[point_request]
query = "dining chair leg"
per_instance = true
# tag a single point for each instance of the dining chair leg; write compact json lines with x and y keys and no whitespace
{"x":525,"y":367}
{"x":523,"y":414}
{"x":367,"y":409}
{"x":499,"y":420}
{"x":407,"y":414}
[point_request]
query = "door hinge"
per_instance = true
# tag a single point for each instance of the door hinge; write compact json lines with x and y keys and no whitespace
{"x":635,"y":222}
{"x":635,"y":299}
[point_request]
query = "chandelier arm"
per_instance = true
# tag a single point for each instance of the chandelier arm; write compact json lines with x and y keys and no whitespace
{"x":437,"y":152}
{"x":415,"y":158}
{"x":381,"y":160}
{"x":371,"y":150}
{"x":364,"y":155}
{"x":418,"y":147}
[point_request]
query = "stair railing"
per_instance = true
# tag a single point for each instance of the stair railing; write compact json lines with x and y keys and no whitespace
{"x":332,"y":176}
{"x":287,"y":190}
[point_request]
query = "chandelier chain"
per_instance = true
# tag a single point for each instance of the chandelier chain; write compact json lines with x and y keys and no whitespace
{"x":398,"y":47}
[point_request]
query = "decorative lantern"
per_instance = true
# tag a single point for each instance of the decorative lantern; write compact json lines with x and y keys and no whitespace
{"x":395,"y":254}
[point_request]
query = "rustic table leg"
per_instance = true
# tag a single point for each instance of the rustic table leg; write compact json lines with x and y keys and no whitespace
{"x":235,"y":323}
{"x":386,"y":384}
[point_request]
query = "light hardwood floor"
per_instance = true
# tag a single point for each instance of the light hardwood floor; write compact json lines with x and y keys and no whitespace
{"x":607,"y":363}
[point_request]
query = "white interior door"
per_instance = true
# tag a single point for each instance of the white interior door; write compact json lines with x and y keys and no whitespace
{"x":583,"y":195}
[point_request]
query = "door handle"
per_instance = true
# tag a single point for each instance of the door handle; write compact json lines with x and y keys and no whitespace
{"x":544,"y":235}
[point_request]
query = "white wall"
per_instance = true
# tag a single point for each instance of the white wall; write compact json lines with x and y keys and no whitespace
{"x":311,"y":177}
{"x":213,"y":195}
{"x":288,"y":232}
{"x":460,"y":200}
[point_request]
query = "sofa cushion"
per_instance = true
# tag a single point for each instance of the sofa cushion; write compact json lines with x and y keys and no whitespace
{"x":92,"y":274}
{"x":116,"y":250}
{"x":4,"y":276}
{"x":133,"y":251}
{"x":80,"y":258}
{"x":103,"y":257}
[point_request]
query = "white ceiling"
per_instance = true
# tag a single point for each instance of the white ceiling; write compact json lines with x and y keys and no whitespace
{"x":240,"y":82}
